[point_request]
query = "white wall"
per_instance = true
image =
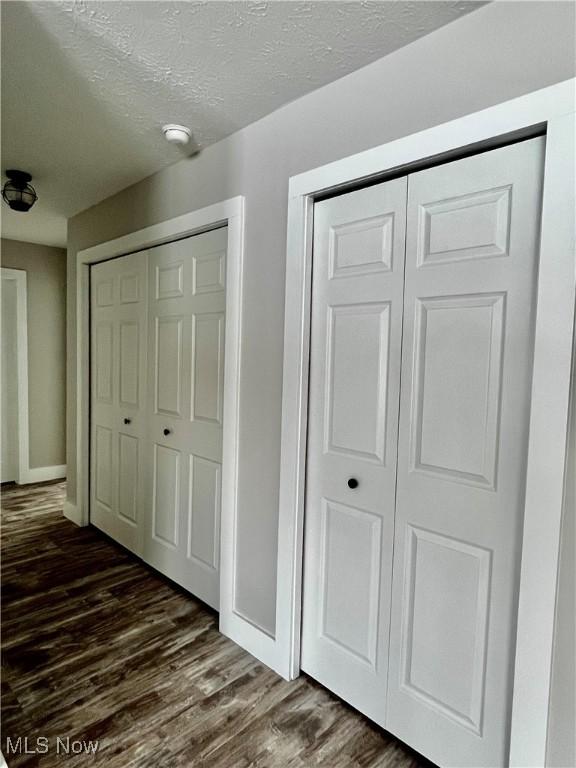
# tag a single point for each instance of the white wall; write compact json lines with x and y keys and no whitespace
{"x":500,"y":51}
{"x":45,"y":267}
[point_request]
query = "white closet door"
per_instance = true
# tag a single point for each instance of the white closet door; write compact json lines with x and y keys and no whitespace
{"x":119,"y":296}
{"x":186,"y":379}
{"x":471,"y":267}
{"x":353,"y":425}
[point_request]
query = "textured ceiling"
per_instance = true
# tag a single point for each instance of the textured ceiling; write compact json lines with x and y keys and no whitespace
{"x":86,"y":86}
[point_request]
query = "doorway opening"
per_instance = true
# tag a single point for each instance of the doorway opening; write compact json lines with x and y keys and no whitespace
{"x":14,"y":461}
{"x":157,"y":393}
{"x":422,"y":329}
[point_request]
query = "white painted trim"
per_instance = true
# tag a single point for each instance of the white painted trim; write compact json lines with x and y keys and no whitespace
{"x":71,"y":512}
{"x":552,"y":109}
{"x":523,"y":112}
{"x":20,"y":278}
{"x":294,"y":432}
{"x":230,"y":213}
{"x":547,"y":448}
{"x":43,"y":474}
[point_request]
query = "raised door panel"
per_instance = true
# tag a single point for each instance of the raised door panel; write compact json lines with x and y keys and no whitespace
{"x":169,"y":280}
{"x":166,"y":495}
{"x":469,"y":226}
{"x":356,"y":380}
{"x":130,"y":290}
{"x":103,"y":462}
{"x":471,"y":271}
{"x":459,"y":342}
{"x":350,"y":568}
{"x":104,"y":293}
{"x":208,"y":368}
{"x":204,"y":511}
{"x":103,"y":365}
{"x":361,"y":246}
{"x":208,"y":272}
{"x":168,"y":365}
{"x":129,"y":362}
{"x":444,"y":633}
{"x":128,"y":478}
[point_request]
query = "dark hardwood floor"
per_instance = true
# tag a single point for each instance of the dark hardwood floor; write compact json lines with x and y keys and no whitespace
{"x":96,"y":646}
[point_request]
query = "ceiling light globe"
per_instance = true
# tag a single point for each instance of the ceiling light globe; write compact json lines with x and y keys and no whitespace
{"x":18,"y":193}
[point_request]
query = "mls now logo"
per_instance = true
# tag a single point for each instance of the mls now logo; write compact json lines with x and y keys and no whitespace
{"x":41,"y":745}
{"x":26,"y":746}
{"x":67,"y":746}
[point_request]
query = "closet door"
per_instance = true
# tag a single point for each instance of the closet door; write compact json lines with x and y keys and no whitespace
{"x":358,"y":277}
{"x":119,"y":298}
{"x":471,"y":268}
{"x":186,"y":351}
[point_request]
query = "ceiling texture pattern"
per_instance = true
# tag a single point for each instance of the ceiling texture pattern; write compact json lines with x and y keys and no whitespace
{"x":86,"y":86}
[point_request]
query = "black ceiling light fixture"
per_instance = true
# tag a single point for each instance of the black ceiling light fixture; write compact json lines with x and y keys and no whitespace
{"x":18,"y":192}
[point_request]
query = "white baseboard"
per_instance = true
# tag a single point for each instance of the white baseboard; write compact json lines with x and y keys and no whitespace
{"x":72,"y":513}
{"x":42,"y":474}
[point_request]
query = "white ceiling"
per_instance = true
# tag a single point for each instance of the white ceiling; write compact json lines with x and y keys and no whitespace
{"x":86,"y":86}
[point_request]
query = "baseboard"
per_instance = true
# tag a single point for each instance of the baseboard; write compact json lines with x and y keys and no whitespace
{"x":43,"y":474}
{"x":72,"y":513}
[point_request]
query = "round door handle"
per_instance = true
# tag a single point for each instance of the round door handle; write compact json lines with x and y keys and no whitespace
{"x":352,"y":483}
{"x":166,"y":431}
{"x":127,"y":421}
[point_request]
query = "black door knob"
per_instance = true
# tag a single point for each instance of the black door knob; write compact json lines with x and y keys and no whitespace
{"x":352,"y":483}
{"x":166,"y":431}
{"x":127,"y":421}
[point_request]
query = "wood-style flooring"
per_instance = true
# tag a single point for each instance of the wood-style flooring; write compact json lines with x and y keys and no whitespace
{"x":96,"y":646}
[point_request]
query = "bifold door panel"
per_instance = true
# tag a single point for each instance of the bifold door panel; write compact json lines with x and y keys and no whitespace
{"x":444,"y":483}
{"x":471,"y":269}
{"x":157,"y":390}
{"x":119,"y":291}
{"x":186,"y":352}
{"x":353,"y":434}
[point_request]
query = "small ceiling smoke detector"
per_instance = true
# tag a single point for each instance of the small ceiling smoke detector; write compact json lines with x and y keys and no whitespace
{"x":176,"y":134}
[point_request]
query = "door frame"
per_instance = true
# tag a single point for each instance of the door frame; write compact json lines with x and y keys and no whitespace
{"x":550,"y":110}
{"x":228,"y":213}
{"x":20,"y":277}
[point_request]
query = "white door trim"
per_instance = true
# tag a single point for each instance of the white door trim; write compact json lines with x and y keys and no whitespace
{"x":23,"y":457}
{"x":551,"y":109}
{"x":231,"y":213}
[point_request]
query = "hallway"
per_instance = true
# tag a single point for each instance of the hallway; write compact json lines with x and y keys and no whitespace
{"x":98,"y":647}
